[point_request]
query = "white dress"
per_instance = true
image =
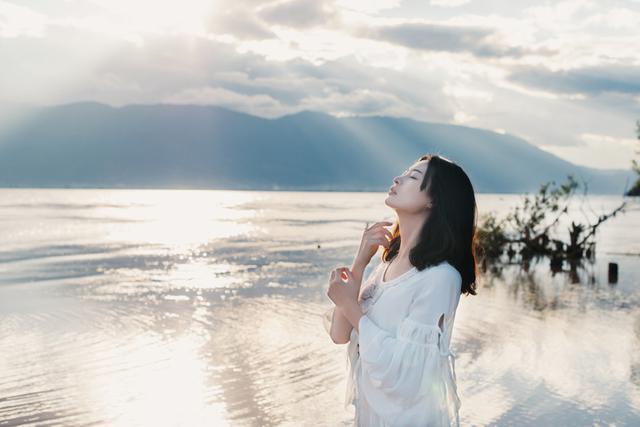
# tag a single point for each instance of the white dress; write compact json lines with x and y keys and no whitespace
{"x":400,"y":369}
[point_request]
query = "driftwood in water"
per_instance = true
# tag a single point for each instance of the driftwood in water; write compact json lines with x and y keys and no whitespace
{"x":526,"y":232}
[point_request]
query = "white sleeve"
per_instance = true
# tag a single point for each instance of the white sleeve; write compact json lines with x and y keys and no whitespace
{"x":327,"y":319}
{"x":407,"y":366}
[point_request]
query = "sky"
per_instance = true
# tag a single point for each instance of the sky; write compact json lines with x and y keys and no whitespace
{"x":563,"y":75}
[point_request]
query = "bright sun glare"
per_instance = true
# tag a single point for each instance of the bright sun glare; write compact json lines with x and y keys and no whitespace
{"x":157,"y":16}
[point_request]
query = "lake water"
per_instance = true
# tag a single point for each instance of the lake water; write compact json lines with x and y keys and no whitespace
{"x":154,"y":307}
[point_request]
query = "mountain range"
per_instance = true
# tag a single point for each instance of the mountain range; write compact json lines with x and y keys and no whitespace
{"x":93,"y":145}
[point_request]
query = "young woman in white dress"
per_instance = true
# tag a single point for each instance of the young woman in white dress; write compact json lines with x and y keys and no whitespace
{"x":399,"y":322}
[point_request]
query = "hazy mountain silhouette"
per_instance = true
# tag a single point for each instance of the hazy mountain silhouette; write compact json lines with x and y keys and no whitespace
{"x":183,"y":146}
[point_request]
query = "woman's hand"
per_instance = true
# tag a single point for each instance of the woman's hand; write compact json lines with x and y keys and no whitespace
{"x":372,"y":238}
{"x":343,"y":292}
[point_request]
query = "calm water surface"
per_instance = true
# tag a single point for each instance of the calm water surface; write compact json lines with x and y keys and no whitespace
{"x":153,"y":307}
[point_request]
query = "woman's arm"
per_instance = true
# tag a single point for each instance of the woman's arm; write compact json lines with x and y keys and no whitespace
{"x":372,"y":238}
{"x":340,"y":325}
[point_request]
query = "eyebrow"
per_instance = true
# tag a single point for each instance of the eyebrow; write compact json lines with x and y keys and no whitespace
{"x":417,"y":170}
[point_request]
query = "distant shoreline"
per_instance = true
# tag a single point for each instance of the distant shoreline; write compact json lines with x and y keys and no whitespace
{"x":274,"y":189}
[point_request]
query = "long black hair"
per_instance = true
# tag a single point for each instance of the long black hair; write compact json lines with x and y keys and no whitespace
{"x":449,"y":233}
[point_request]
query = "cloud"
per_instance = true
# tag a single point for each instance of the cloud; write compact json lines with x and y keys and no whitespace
{"x":298,"y":13}
{"x":463,"y":92}
{"x":561,"y":15}
{"x":479,"y":41}
{"x":461,"y":117}
{"x":617,"y":18}
{"x":260,"y":105}
{"x":240,"y":23}
{"x":594,"y":148}
{"x":358,"y":102}
{"x":571,"y":65}
{"x":593,"y":80}
{"x":449,"y":3}
{"x":179,"y":68}
{"x":20,"y":21}
{"x":368,"y":6}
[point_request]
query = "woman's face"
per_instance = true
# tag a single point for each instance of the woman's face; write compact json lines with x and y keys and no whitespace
{"x":405,"y":194}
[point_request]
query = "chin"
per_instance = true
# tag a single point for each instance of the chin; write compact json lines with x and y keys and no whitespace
{"x":386,"y":202}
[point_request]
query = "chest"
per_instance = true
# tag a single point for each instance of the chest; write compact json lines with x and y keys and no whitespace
{"x":387,"y":306}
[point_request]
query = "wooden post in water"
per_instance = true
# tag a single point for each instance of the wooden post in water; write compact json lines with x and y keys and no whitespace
{"x":613,"y":272}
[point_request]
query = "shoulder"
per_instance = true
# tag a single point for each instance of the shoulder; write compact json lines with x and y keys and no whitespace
{"x":450,"y":271}
{"x":444,"y":274}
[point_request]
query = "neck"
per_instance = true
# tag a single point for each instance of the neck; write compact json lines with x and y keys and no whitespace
{"x":410,"y":226}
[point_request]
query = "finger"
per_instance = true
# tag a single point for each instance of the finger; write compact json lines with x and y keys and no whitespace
{"x":381,"y":224}
{"x":383,"y":242}
{"x":380,"y":237}
{"x":383,"y":233}
{"x":387,"y":233}
{"x":377,"y":224}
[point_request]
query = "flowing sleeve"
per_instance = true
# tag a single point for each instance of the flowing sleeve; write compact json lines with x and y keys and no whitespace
{"x":407,"y":366}
{"x":327,"y":319}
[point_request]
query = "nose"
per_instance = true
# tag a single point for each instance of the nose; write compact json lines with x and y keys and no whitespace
{"x":396,"y":180}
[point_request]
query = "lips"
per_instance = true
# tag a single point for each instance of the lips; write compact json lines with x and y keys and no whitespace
{"x":391,"y":191}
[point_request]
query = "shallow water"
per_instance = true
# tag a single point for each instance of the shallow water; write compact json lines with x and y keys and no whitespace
{"x":154,"y":307}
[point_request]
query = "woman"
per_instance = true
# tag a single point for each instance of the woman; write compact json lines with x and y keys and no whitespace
{"x":399,"y":325}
